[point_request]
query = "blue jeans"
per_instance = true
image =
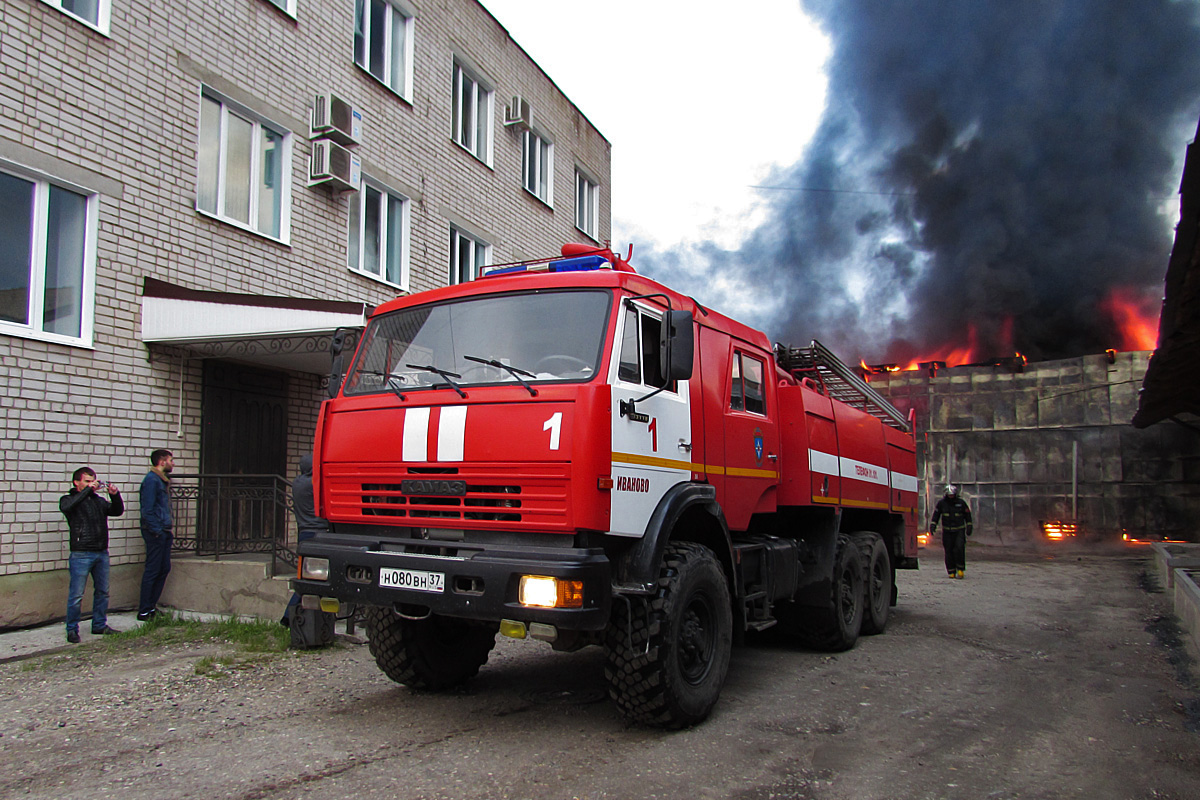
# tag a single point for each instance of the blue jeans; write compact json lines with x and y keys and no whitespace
{"x":79,"y":565}
{"x":158,"y":564}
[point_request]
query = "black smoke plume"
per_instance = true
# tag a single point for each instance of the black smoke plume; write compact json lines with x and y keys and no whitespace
{"x":995,"y":167}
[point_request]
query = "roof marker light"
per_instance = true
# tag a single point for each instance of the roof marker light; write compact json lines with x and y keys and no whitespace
{"x":578,"y":264}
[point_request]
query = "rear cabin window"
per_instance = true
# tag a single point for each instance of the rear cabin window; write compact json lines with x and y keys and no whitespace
{"x":746,"y":391}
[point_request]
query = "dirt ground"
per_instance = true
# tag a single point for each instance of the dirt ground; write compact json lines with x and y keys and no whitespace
{"x":1038,"y":676}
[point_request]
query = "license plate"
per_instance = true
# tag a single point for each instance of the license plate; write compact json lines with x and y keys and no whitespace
{"x":418,"y":580}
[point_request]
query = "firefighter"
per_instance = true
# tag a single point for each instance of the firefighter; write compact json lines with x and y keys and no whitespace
{"x":955,"y":515}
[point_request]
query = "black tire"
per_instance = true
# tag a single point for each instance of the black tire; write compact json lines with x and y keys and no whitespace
{"x":878,"y":580}
{"x":668,"y":657}
{"x":434,"y":653}
{"x":836,"y":627}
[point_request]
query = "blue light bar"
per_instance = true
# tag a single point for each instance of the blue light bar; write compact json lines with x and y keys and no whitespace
{"x":577,"y":264}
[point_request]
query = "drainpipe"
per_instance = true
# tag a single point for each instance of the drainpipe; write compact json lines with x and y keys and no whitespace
{"x":1074,"y":481}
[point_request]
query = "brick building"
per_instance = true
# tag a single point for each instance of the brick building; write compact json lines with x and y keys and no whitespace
{"x":168,"y":275}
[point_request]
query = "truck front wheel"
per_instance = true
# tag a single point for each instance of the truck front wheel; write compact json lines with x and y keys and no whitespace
{"x":668,"y":657}
{"x":432,"y":653}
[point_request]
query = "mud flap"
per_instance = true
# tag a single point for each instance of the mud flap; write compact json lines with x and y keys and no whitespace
{"x":311,"y":628}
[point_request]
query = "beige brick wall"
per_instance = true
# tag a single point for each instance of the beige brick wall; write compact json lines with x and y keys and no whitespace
{"x":118,"y":114}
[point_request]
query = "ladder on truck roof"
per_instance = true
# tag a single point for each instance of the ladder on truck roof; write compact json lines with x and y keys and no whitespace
{"x":839,"y":381}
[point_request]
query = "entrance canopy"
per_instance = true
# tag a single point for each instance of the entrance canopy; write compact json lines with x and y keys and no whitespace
{"x":283,"y":333}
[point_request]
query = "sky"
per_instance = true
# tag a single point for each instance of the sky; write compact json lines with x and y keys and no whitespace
{"x":698,"y":102}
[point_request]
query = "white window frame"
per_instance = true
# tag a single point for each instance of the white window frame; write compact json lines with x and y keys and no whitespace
{"x":258,"y":123}
{"x":37,"y":257}
{"x":395,"y":71}
{"x":481,"y":252}
{"x":537,"y":165}
{"x":471,"y":97}
{"x":103,"y":14}
{"x":286,"y":6}
{"x":377,"y":272}
{"x":587,"y":204}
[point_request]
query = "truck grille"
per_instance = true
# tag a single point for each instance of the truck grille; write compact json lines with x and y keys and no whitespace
{"x":533,"y":496}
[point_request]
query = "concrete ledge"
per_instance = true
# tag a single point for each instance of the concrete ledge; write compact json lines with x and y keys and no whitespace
{"x":1170,"y":557}
{"x":1187,"y":602}
{"x":33,"y":598}
{"x":235,"y":586}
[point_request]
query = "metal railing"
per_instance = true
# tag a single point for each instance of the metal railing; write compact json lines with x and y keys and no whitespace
{"x":218,"y":515}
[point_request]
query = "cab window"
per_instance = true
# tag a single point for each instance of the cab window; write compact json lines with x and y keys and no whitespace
{"x":746,"y":385}
{"x":639,"y":362}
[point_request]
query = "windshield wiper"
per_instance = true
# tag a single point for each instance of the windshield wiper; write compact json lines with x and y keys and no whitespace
{"x":392,"y":381}
{"x":516,"y":373}
{"x":444,"y":374}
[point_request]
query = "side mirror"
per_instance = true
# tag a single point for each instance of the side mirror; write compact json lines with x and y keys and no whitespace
{"x":677,"y":345}
{"x":336,"y":344}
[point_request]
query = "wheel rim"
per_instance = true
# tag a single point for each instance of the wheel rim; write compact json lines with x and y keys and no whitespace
{"x":695,"y":642}
{"x":877,"y":583}
{"x":847,"y":601}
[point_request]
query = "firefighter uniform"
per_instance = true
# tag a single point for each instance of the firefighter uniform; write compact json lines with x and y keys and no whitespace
{"x":955,"y":516}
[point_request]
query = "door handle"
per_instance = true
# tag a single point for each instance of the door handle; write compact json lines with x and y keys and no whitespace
{"x":685,"y":446}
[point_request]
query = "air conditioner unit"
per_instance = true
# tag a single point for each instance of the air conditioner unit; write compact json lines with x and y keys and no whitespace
{"x":519,"y":113}
{"x":332,"y":165}
{"x":334,"y":118}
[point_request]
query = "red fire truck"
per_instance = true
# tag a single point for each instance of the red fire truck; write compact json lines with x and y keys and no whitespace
{"x":569,"y":451}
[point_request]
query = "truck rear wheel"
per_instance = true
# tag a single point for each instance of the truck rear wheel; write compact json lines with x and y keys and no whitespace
{"x":667,"y":658}
{"x":836,"y":627}
{"x":879,"y":578}
{"x":433,"y":653}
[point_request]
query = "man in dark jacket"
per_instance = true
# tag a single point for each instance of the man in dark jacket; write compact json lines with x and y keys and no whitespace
{"x":87,"y":514}
{"x":156,"y":530}
{"x":308,"y":524}
{"x":955,"y":515}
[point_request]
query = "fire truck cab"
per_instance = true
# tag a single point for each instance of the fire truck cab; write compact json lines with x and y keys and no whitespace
{"x":569,"y":451}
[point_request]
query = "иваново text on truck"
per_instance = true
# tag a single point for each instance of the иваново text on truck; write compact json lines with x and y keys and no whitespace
{"x":569,"y":451}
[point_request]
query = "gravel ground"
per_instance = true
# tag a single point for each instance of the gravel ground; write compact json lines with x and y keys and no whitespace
{"x":1037,"y":677}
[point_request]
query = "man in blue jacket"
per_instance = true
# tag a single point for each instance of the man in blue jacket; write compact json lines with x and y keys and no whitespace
{"x":87,"y":513}
{"x":156,"y":531}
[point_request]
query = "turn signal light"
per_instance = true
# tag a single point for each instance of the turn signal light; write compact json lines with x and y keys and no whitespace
{"x":543,"y":592}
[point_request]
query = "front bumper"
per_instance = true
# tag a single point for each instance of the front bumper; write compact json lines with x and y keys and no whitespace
{"x":480,"y":581}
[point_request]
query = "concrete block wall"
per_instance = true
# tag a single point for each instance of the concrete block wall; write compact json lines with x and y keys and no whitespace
{"x":1011,"y":438}
{"x":116,"y":114}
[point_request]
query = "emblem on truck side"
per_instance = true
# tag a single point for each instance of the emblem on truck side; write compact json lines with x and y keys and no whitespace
{"x":434,"y":488}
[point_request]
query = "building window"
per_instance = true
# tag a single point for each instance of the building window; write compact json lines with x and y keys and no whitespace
{"x":747,"y":392}
{"x":379,"y":234}
{"x":472,"y":114}
{"x":587,"y":204}
{"x":243,"y":165}
{"x":468,"y":255}
{"x":383,"y":43}
{"x":286,"y":6}
{"x":94,"y":12}
{"x":538,"y":163}
{"x":47,"y":260}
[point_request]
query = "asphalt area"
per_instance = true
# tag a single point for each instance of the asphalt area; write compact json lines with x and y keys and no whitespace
{"x":1041,"y":675}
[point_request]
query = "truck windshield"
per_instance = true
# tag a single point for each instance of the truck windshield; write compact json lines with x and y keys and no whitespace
{"x":549,"y":336}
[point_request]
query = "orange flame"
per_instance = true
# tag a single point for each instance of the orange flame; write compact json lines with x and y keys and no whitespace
{"x":1135,"y":318}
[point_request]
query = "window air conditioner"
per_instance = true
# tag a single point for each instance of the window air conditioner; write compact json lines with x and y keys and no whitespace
{"x":335,"y":119}
{"x":333,"y":165}
{"x":519,"y":113}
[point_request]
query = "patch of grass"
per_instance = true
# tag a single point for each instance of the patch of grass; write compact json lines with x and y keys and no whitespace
{"x":251,"y":636}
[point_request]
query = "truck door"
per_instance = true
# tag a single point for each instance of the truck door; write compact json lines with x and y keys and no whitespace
{"x":751,"y":438}
{"x":651,"y":446}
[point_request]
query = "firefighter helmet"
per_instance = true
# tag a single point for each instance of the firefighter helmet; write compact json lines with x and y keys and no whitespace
{"x":951,"y":490}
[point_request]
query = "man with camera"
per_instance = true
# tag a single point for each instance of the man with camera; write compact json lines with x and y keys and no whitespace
{"x":87,"y":513}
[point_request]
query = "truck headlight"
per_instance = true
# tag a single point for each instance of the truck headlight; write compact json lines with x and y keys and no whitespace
{"x":314,"y":569}
{"x":544,"y":592}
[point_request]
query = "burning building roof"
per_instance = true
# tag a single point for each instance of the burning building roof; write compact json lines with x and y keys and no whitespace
{"x":1169,"y":388}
